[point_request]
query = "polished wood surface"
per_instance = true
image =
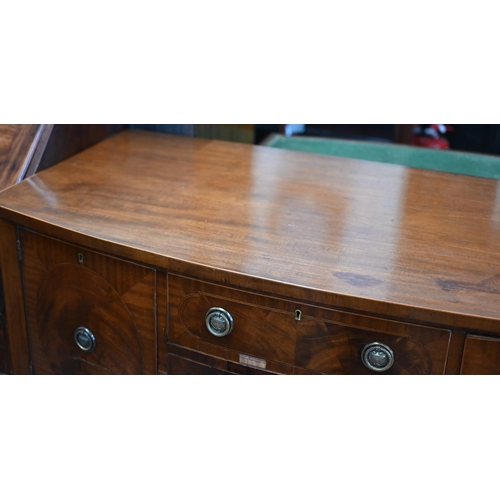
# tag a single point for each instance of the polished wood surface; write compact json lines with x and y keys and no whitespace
{"x":318,"y":339}
{"x":67,"y":140}
{"x":336,"y":347}
{"x":21,"y":146}
{"x":66,"y":287}
{"x":398,"y":242}
{"x":12,"y":162}
{"x":26,"y":149}
{"x":7,"y":133}
{"x":27,"y":142}
{"x":182,"y":361}
{"x":16,"y":336}
{"x":481,"y":356}
{"x":263,"y":327}
{"x":3,"y":340}
{"x":184,"y":366}
{"x":455,"y":353}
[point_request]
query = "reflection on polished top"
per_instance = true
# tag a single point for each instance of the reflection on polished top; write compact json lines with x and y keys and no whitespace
{"x":381,"y":238}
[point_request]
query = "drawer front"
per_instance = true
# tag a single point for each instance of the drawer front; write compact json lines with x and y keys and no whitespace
{"x":334,"y":342}
{"x":313,"y":340}
{"x":184,"y":366}
{"x":263,"y":336}
{"x":87,"y":313}
{"x":481,"y":356}
{"x":182,"y":361}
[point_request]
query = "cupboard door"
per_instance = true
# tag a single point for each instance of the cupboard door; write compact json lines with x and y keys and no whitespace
{"x":87,"y":313}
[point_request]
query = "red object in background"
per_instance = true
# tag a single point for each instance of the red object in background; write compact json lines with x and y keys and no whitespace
{"x":431,"y":136}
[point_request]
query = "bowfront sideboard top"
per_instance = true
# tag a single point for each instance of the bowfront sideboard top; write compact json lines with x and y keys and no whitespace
{"x":386,"y":239}
{"x":322,"y":264}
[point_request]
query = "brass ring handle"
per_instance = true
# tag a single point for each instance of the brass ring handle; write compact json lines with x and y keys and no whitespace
{"x":377,"y":357}
{"x":219,"y":322}
{"x":85,"y":339}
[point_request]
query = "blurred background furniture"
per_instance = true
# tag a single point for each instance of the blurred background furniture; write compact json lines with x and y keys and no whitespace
{"x":456,"y":162}
{"x":232,"y":133}
{"x":471,"y":138}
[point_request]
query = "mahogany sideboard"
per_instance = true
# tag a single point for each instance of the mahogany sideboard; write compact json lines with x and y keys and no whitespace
{"x":149,"y":253}
{"x":27,"y":149}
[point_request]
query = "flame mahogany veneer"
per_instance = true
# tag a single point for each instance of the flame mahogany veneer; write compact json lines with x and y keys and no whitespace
{"x":138,"y":236}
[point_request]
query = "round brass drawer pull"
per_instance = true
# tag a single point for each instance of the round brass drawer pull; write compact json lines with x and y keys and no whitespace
{"x":377,"y":357}
{"x":219,"y":322}
{"x":85,"y":339}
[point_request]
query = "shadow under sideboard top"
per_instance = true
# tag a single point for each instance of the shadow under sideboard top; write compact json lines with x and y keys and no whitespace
{"x":398,"y":242}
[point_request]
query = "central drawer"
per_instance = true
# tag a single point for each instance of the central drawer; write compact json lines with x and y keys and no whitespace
{"x":288,"y":337}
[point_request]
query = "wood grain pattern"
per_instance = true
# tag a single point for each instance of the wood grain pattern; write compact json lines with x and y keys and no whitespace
{"x":184,"y":366}
{"x":187,"y":362}
{"x":330,"y":347}
{"x":323,"y":340}
{"x":3,"y":340}
{"x":23,"y":150}
{"x":455,"y":353}
{"x":7,"y":133}
{"x":114,"y":299}
{"x":67,"y":140}
{"x":17,"y":338}
{"x":481,"y":356}
{"x":43,"y":138}
{"x":263,"y":327}
{"x":162,"y":319}
{"x":393,"y":241}
{"x":25,"y":141}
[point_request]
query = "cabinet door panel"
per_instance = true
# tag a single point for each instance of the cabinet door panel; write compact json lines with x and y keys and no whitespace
{"x":66,"y":288}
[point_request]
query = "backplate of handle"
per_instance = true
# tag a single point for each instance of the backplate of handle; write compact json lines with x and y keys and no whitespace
{"x":377,"y":357}
{"x":85,"y":339}
{"x":219,"y":322}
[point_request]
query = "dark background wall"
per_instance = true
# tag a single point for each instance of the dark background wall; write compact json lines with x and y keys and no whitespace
{"x":474,"y":138}
{"x":477,"y":138}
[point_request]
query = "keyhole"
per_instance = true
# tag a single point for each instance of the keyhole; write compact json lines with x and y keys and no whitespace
{"x":298,"y":314}
{"x":80,"y":258}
